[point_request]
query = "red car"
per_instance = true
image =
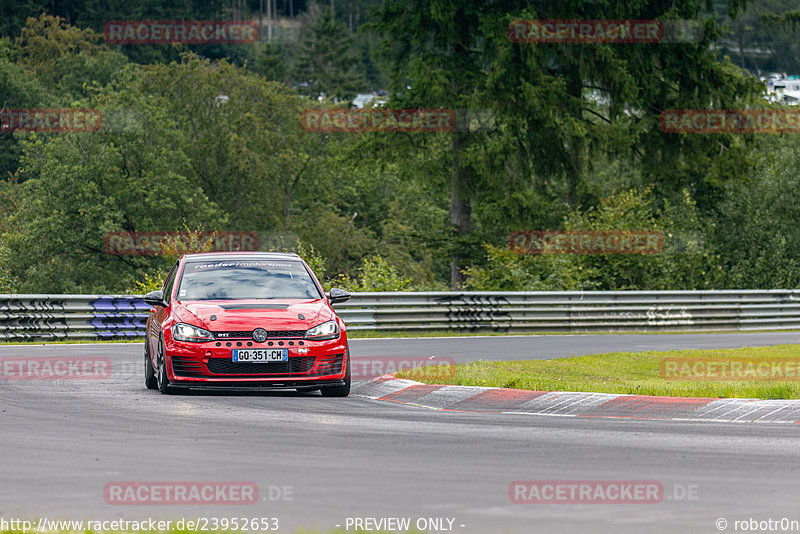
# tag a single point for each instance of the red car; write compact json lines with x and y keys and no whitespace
{"x":245,"y":320}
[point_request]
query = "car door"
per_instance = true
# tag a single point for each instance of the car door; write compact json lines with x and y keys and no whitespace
{"x":158,"y":314}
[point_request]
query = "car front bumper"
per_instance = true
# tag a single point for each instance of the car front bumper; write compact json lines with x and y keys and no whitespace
{"x":311,"y":364}
{"x":253,"y":386}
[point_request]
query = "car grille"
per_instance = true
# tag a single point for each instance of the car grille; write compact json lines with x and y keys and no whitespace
{"x":183,"y":366}
{"x":234,"y":334}
{"x":271,"y":334}
{"x":329,"y":365}
{"x":295,"y":365}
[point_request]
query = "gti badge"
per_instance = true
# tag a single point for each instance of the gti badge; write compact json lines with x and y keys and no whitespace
{"x":260,"y":335}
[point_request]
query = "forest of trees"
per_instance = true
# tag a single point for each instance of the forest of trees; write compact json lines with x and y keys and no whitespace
{"x":394,"y":210}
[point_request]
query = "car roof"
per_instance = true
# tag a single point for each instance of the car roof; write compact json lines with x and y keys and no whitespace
{"x":219,"y":256}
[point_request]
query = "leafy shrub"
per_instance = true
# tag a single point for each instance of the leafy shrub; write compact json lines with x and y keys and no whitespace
{"x":150,"y":282}
{"x":686,"y":262}
{"x":757,"y":228}
{"x":375,"y":274}
{"x":509,"y":271}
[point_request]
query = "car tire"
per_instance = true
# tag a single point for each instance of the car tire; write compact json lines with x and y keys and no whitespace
{"x":340,"y":391}
{"x":161,"y":373}
{"x":149,"y":374}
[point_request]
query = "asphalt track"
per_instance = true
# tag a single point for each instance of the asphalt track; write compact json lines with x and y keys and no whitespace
{"x":62,"y":441}
{"x":545,"y":347}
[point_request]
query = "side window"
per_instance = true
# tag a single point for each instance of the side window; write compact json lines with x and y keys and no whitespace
{"x":169,"y":283}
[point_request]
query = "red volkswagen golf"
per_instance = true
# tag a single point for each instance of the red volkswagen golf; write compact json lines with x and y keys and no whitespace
{"x":245,"y":320}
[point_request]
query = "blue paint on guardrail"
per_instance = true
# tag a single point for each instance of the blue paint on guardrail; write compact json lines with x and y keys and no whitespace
{"x":119,"y":317}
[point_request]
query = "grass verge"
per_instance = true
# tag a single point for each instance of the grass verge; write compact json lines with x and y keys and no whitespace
{"x":641,"y":373}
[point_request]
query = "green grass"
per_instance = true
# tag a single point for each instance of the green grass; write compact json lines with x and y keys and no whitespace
{"x":619,"y":372}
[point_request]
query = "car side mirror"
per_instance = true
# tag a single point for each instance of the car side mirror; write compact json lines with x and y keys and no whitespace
{"x":338,"y":295}
{"x":155,"y":298}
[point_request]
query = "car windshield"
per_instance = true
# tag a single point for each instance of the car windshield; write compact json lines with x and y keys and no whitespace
{"x":246,"y":279}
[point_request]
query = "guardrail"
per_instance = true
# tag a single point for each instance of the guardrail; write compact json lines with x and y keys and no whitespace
{"x":124,"y":316}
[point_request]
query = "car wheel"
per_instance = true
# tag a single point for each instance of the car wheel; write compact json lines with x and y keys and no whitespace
{"x":340,"y":391}
{"x":161,"y":373}
{"x":149,"y":375}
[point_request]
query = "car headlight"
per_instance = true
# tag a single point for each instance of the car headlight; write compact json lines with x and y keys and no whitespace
{"x":321,"y":332}
{"x":187,"y":332}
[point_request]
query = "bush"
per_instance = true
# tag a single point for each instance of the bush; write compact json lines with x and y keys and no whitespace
{"x":509,"y":271}
{"x":757,"y":231}
{"x":686,"y":262}
{"x":375,"y":274}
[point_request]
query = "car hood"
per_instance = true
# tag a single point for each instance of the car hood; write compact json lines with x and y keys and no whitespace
{"x":251,"y":314}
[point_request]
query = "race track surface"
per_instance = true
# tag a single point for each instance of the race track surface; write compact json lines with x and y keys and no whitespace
{"x":545,"y":347}
{"x":62,"y":442}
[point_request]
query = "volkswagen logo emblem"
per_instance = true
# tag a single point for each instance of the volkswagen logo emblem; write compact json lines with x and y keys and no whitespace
{"x":260,"y":335}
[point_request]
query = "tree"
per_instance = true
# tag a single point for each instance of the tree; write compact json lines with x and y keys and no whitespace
{"x":550,"y":121}
{"x":756,"y":230}
{"x":433,"y":50}
{"x":19,"y":89}
{"x":131,"y":176}
{"x":194,"y":143}
{"x":326,"y":60}
{"x":688,"y":260}
{"x":247,"y":140}
{"x":763,"y":37}
{"x":270,"y":61}
{"x":65,"y":59}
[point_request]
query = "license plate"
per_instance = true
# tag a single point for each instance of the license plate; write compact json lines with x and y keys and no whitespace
{"x":260,"y":355}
